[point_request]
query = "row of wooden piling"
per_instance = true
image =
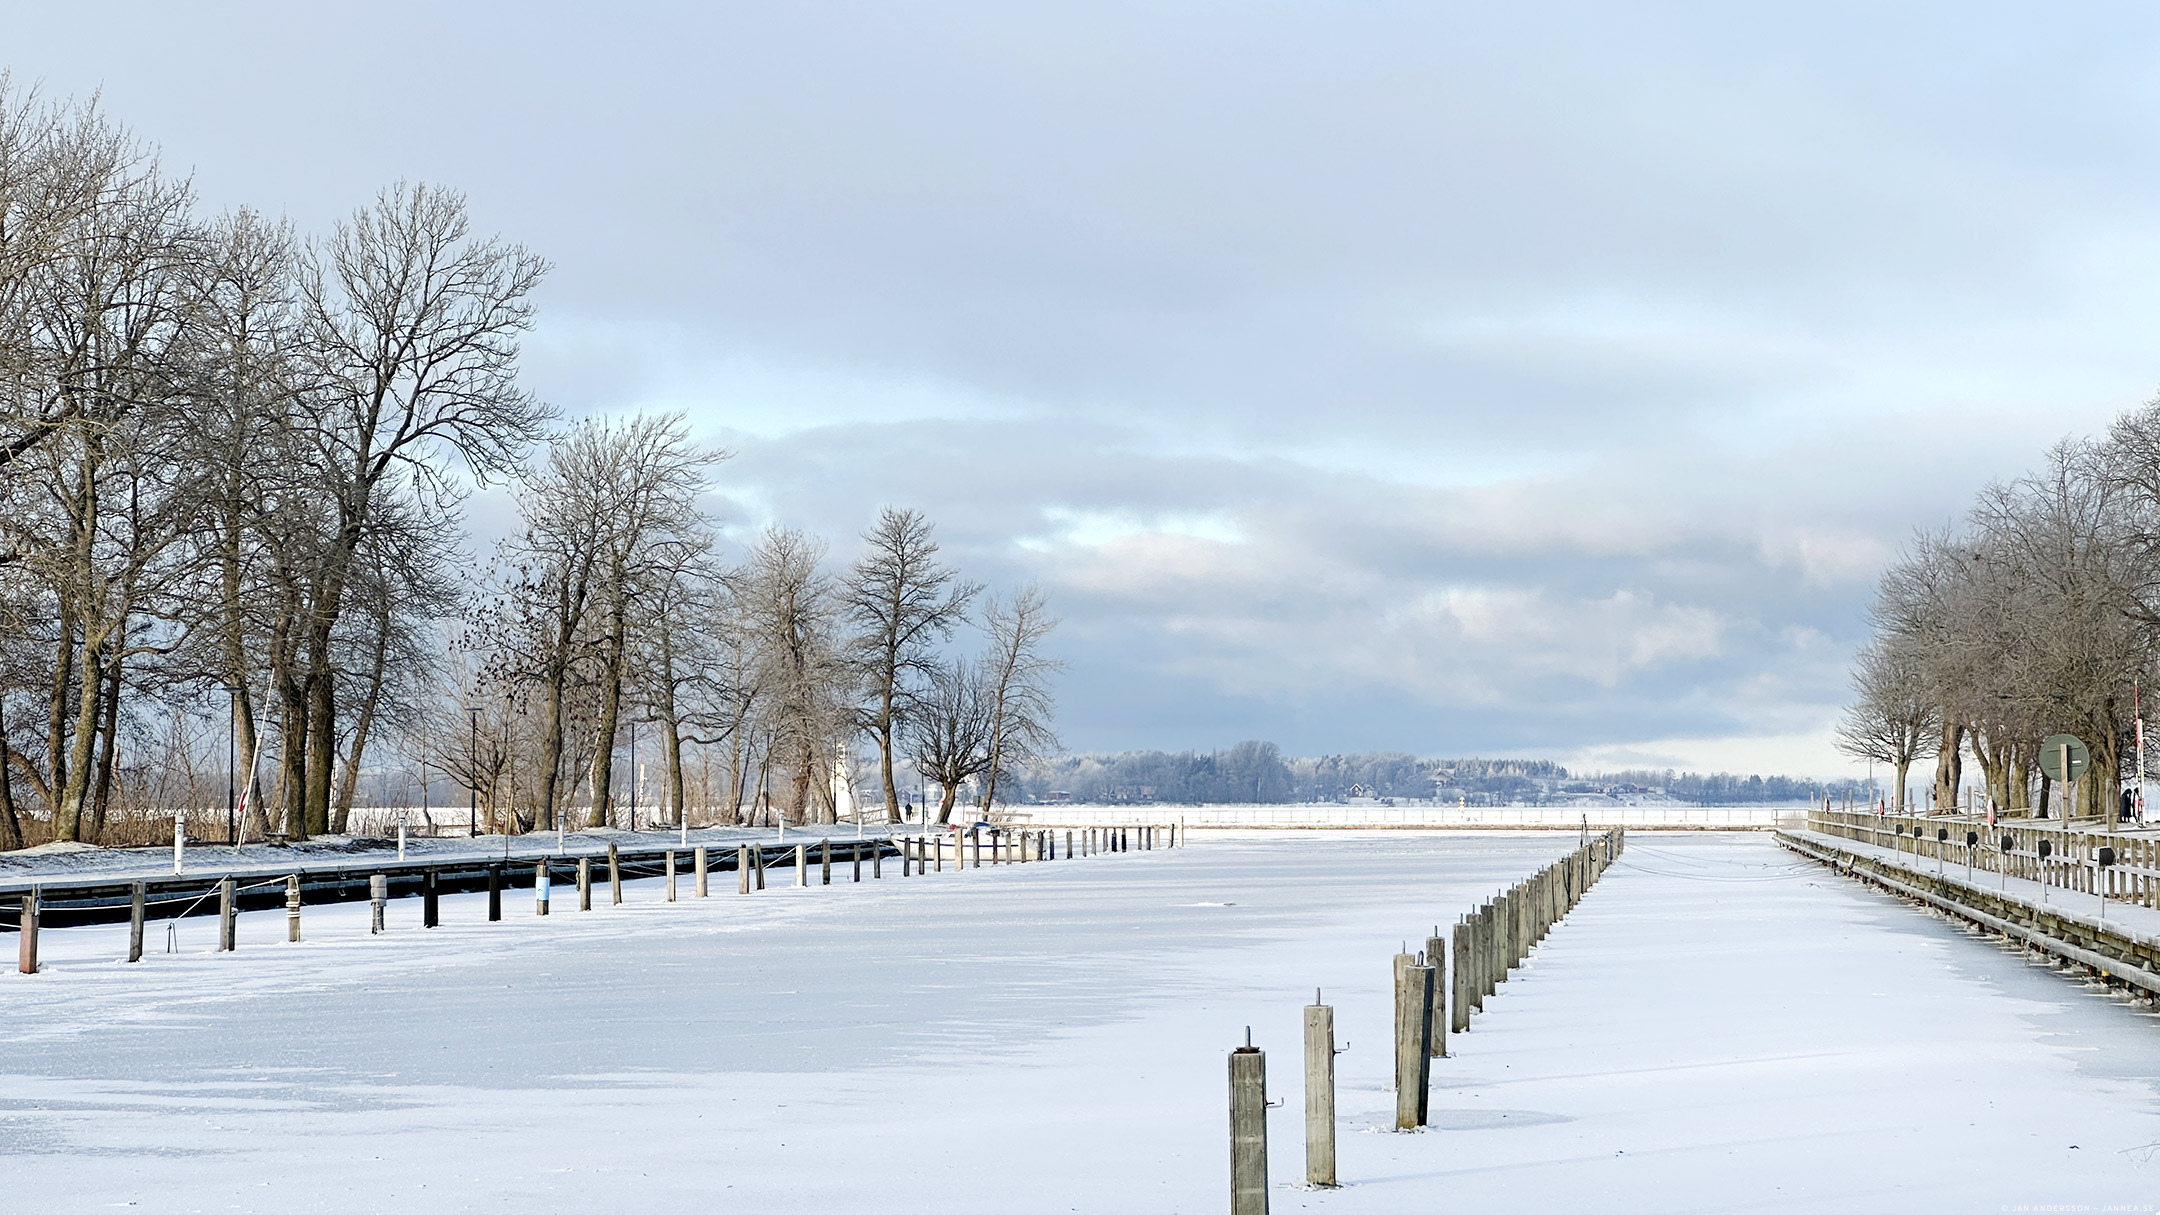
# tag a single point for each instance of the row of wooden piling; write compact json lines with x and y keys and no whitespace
{"x":927,"y":852}
{"x":918,"y":854}
{"x":1432,"y":1000}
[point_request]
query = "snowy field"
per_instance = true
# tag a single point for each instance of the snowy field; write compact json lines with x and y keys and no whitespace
{"x":1718,"y":1027}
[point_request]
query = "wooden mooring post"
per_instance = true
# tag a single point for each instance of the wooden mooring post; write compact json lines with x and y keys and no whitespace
{"x":1413,"y":1017}
{"x":228,"y":923}
{"x":697,"y":860}
{"x":824,"y":856}
{"x":1459,"y":980}
{"x":1248,"y":1130}
{"x":1319,"y":1093}
{"x":138,"y":898}
{"x":495,"y":889}
{"x":614,"y":874}
{"x":27,"y":929}
{"x":584,"y":883}
{"x":802,"y":865}
{"x":430,"y":901}
{"x":742,"y":869}
{"x":378,"y":889}
{"x":1436,"y":1029}
{"x":671,"y":875}
{"x":541,"y":876}
{"x":292,"y":908}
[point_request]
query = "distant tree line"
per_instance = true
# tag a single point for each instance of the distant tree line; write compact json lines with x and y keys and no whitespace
{"x":2036,"y":614}
{"x":1258,"y":773}
{"x":232,"y":465}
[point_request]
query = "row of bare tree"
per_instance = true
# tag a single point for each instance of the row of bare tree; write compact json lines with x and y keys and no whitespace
{"x":611,"y":606}
{"x":232,"y":465}
{"x":2038,"y":615}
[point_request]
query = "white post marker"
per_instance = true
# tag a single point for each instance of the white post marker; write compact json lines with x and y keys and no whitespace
{"x":179,"y":841}
{"x":401,"y":833}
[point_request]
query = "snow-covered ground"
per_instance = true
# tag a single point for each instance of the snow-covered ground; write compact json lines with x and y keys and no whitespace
{"x":1720,"y":1026}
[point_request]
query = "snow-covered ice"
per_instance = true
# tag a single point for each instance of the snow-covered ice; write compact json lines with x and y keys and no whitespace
{"x":1719,"y":1026}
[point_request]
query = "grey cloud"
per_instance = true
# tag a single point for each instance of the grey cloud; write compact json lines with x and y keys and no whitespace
{"x":1441,"y":376}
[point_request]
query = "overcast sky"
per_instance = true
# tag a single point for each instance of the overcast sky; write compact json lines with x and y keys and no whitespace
{"x":1532,"y":379}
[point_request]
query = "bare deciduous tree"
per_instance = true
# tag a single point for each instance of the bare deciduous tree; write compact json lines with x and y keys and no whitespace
{"x":1016,"y":682}
{"x":902,"y":604}
{"x":948,"y":734}
{"x":414,"y":325}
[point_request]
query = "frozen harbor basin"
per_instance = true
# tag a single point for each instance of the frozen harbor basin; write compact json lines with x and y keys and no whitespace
{"x":1720,"y":1026}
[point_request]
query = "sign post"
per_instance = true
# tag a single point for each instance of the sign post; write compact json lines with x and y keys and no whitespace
{"x":2064,"y":759}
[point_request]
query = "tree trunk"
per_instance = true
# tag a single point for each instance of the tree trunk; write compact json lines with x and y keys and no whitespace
{"x":603,"y":761}
{"x":671,"y":755}
{"x":102,"y":800}
{"x":362,"y":727}
{"x":58,"y":695}
{"x":883,"y":735}
{"x":292,"y":754}
{"x":89,"y":698}
{"x":1904,"y":770}
{"x":1949,"y":766}
{"x":321,"y":762}
{"x":242,"y":755}
{"x":11,"y":832}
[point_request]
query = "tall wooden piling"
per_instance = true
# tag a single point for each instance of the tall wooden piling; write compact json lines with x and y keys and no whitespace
{"x":1488,"y":967}
{"x":742,"y":868}
{"x":1319,"y":1093}
{"x":292,"y":908}
{"x":378,"y":889}
{"x":1459,"y":980}
{"x":430,"y":901}
{"x":1248,"y":1131}
{"x":584,"y":883}
{"x":698,"y":862}
{"x":877,"y":861}
{"x":138,"y":897}
{"x":541,"y":876}
{"x":1436,"y":1031}
{"x":670,"y":863}
{"x":802,"y":865}
{"x":1413,"y":1019}
{"x":26,"y":943}
{"x":228,"y":923}
{"x":495,"y":889}
{"x":824,"y":856}
{"x":614,"y":873}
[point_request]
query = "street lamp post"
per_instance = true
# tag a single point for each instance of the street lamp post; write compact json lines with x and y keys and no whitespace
{"x":472,"y":777}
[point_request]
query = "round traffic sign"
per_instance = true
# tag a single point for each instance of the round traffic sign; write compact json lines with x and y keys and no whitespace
{"x":2051,"y":757}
